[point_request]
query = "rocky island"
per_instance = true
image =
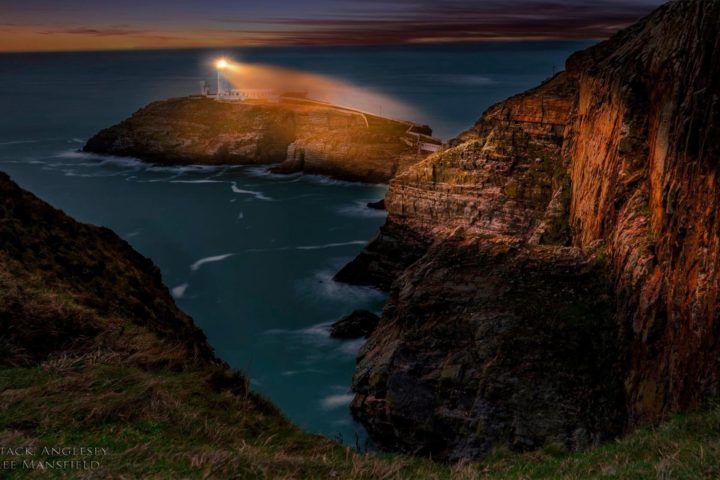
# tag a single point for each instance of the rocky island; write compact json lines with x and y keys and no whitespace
{"x":298,"y":134}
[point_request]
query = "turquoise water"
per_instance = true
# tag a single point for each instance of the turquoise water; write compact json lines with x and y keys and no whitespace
{"x":248,"y":254}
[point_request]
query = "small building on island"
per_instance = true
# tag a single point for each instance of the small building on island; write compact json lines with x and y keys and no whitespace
{"x":243,"y":94}
{"x":240,"y":94}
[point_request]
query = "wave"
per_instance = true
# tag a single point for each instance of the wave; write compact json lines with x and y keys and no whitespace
{"x":290,"y":373}
{"x":265,"y":172}
{"x":154,"y":167}
{"x":336,"y":401}
{"x":135,"y":163}
{"x":101,"y":159}
{"x":322,"y":286}
{"x":320,"y":329}
{"x":216,"y":258}
{"x":204,"y":180}
{"x":72,"y":164}
{"x":352,"y":347}
{"x":331,"y":245}
{"x":18,"y":142}
{"x":323,"y":180}
{"x":360,"y":209}
{"x":257,"y":195}
{"x":179,"y":291}
{"x":72,"y":173}
{"x":307,"y":247}
{"x":318,"y":336}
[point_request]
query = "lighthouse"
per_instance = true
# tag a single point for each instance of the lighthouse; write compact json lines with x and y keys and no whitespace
{"x":220,"y":65}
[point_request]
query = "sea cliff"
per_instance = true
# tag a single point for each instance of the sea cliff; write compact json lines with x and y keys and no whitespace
{"x":559,"y":276}
{"x":552,"y":276}
{"x":296,"y":134}
{"x":94,"y":355}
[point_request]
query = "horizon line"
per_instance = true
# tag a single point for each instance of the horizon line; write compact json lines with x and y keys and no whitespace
{"x":433,"y":42}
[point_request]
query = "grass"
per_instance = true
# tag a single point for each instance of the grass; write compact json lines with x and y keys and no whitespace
{"x":94,"y":353}
{"x":159,"y":424}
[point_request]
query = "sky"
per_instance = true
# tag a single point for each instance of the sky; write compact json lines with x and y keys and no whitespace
{"x":47,"y":25}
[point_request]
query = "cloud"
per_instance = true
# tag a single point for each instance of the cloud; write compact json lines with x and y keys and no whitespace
{"x":407,"y":21}
{"x":41,"y":24}
{"x":99,"y":32}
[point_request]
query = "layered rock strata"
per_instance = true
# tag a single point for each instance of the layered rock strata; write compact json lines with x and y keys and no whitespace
{"x":617,"y":158}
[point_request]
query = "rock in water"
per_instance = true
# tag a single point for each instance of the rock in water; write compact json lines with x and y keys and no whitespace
{"x":360,"y":323}
{"x":491,"y":317}
{"x":379,"y":205}
{"x":300,"y":135}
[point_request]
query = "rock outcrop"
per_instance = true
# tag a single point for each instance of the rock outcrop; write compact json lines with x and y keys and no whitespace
{"x":69,"y":288}
{"x":299,"y":135}
{"x":493,"y":341}
{"x":578,"y":216}
{"x":498,"y":180}
{"x":360,"y":323}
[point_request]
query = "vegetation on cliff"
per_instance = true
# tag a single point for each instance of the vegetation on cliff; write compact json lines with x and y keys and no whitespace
{"x":95,"y":354}
{"x":615,"y":157}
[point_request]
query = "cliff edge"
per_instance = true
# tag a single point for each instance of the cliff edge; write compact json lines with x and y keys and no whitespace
{"x":559,"y":278}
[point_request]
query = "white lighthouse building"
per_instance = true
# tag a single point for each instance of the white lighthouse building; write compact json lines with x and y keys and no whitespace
{"x":236,"y":94}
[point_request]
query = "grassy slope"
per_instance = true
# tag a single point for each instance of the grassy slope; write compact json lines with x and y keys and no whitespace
{"x":93,"y":352}
{"x":171,"y":425}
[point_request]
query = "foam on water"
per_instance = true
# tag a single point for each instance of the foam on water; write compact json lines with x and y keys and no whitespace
{"x":321,"y":330}
{"x":153,"y":167}
{"x":265,"y":172}
{"x":204,"y":180}
{"x":352,"y":347}
{"x":361,"y":209}
{"x":215,"y":258}
{"x":322,"y":287}
{"x":331,"y":245}
{"x":308,"y":247}
{"x":179,"y":291}
{"x":257,"y":195}
{"x":99,"y":160}
{"x":323,"y":180}
{"x":336,"y":401}
{"x":17,"y":142}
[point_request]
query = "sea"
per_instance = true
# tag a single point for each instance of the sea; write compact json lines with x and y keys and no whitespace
{"x":248,"y":254}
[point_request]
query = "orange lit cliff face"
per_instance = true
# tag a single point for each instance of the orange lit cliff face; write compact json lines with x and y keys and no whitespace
{"x":643,"y":155}
{"x":611,"y":163}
